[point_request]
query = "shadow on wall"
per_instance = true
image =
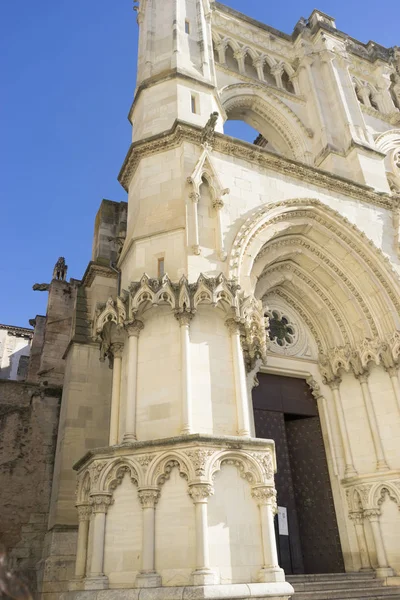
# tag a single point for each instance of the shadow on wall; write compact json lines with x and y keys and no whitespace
{"x":17,"y":368}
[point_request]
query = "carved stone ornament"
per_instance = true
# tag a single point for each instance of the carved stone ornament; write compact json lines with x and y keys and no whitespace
{"x":134,"y":327}
{"x":84,"y":512}
{"x":372,"y":514}
{"x":149,"y":498}
{"x":265,"y":459}
{"x":198,"y":457}
{"x":264,"y":496}
{"x":100,"y":502}
{"x":207,"y":135}
{"x":200,"y":492}
{"x":145,"y":460}
{"x":357,"y":359}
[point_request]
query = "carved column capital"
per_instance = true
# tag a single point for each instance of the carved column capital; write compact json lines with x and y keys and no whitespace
{"x":100,"y":502}
{"x":218,"y":204}
{"x":184,"y":317}
{"x":265,"y":496}
{"x":334,"y":383}
{"x":195,"y":197}
{"x":233,"y":324}
{"x":372,"y":514}
{"x":277,"y":69}
{"x":362,"y":377}
{"x":117,"y":349}
{"x":149,"y":497}
{"x":200,"y":492}
{"x":134,"y":327}
{"x":357,"y":517}
{"x":84,"y":512}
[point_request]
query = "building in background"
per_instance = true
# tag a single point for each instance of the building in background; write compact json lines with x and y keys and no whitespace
{"x":15,"y":345}
{"x":230,"y":414}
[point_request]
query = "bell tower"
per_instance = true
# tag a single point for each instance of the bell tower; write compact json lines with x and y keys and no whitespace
{"x":176,"y":74}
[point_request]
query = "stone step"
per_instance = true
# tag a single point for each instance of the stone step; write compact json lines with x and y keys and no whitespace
{"x":337,"y":584}
{"x":360,"y":594}
{"x":365,"y":576}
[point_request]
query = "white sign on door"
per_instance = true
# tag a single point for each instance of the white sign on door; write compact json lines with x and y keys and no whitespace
{"x":282,"y":521}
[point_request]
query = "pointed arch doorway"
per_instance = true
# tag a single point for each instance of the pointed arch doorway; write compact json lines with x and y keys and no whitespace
{"x":285,"y":411}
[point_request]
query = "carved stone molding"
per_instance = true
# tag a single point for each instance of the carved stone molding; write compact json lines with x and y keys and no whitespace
{"x":134,"y":327}
{"x":199,"y":458}
{"x":265,"y":496}
{"x":84,"y":511}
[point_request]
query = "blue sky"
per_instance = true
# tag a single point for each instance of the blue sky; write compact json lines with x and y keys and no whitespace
{"x":68,"y":75}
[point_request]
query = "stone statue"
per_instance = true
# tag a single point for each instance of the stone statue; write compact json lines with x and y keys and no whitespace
{"x":208,"y":132}
{"x":60,"y":269}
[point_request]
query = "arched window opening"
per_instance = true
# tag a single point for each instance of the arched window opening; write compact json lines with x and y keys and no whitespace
{"x":268,"y":77}
{"x":244,"y":127}
{"x":287,"y":84}
{"x":230,"y":60}
{"x":249,"y":67}
{"x":372,"y":101}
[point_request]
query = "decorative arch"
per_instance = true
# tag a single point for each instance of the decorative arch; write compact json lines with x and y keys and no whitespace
{"x":378,"y":493}
{"x":115,"y":471}
{"x":308,"y":251}
{"x":275,"y":120}
{"x":249,"y":466}
{"x":160,"y":469}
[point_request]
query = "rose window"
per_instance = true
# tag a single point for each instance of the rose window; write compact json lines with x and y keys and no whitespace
{"x":281,"y":330}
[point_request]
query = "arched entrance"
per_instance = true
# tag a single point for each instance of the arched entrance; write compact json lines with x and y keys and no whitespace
{"x":307,"y":532}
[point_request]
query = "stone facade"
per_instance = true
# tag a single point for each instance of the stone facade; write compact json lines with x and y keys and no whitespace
{"x":15,"y":345}
{"x":229,"y":260}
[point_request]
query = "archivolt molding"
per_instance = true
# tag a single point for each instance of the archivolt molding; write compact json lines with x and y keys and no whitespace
{"x":320,"y":254}
{"x":113,"y":310}
{"x":256,"y":468}
{"x":249,"y":242}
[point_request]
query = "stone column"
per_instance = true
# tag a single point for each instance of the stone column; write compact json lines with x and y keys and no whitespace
{"x":349,"y":471}
{"x":259,"y":65}
{"x":394,"y":380}
{"x":184,"y":319}
{"x":96,"y":580}
{"x":202,"y":575}
{"x":148,"y":576}
{"x":84,"y":512}
{"x":381,"y":464}
{"x":239,"y":55}
{"x":221,"y":48}
{"x":242,"y":405}
{"x":195,"y":197}
{"x":277,"y":72}
{"x":266,"y":499}
{"x":358,"y":520}
{"x":383,"y":569}
{"x":133,"y":328}
{"x":116,"y":350}
{"x":218,"y":206}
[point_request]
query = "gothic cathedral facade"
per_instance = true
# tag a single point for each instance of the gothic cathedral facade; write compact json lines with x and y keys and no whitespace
{"x":243,"y":423}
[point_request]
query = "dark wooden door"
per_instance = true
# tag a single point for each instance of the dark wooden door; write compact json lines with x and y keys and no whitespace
{"x":285,"y":410}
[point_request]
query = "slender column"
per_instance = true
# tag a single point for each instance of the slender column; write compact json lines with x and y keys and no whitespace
{"x":133,"y":328}
{"x":116,"y":350}
{"x":96,"y":578}
{"x":394,"y":379}
{"x":277,"y":72}
{"x":184,"y":319}
{"x":242,"y":406}
{"x":221,"y":48}
{"x":196,"y":242}
{"x":266,"y":500}
{"x":84,"y":512}
{"x":383,"y":569}
{"x":358,"y":520}
{"x":381,"y":464}
{"x":203,"y":575}
{"x":240,"y":56}
{"x":148,"y":577}
{"x":218,"y":206}
{"x":349,"y":471}
{"x":259,"y":65}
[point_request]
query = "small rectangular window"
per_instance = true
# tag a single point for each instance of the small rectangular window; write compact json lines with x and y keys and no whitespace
{"x":161,"y":267}
{"x":187,"y":26}
{"x":194,"y":104}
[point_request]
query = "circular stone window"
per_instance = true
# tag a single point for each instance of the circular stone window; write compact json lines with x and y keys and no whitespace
{"x":281,"y":330}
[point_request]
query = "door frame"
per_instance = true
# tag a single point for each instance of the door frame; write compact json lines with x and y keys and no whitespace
{"x":301,"y":368}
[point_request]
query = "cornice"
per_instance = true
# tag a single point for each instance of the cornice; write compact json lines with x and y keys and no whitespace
{"x":225,"y":144}
{"x":95,"y":269}
{"x":17,"y":331}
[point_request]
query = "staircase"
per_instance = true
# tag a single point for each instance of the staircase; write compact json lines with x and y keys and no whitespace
{"x":342,"y":586}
